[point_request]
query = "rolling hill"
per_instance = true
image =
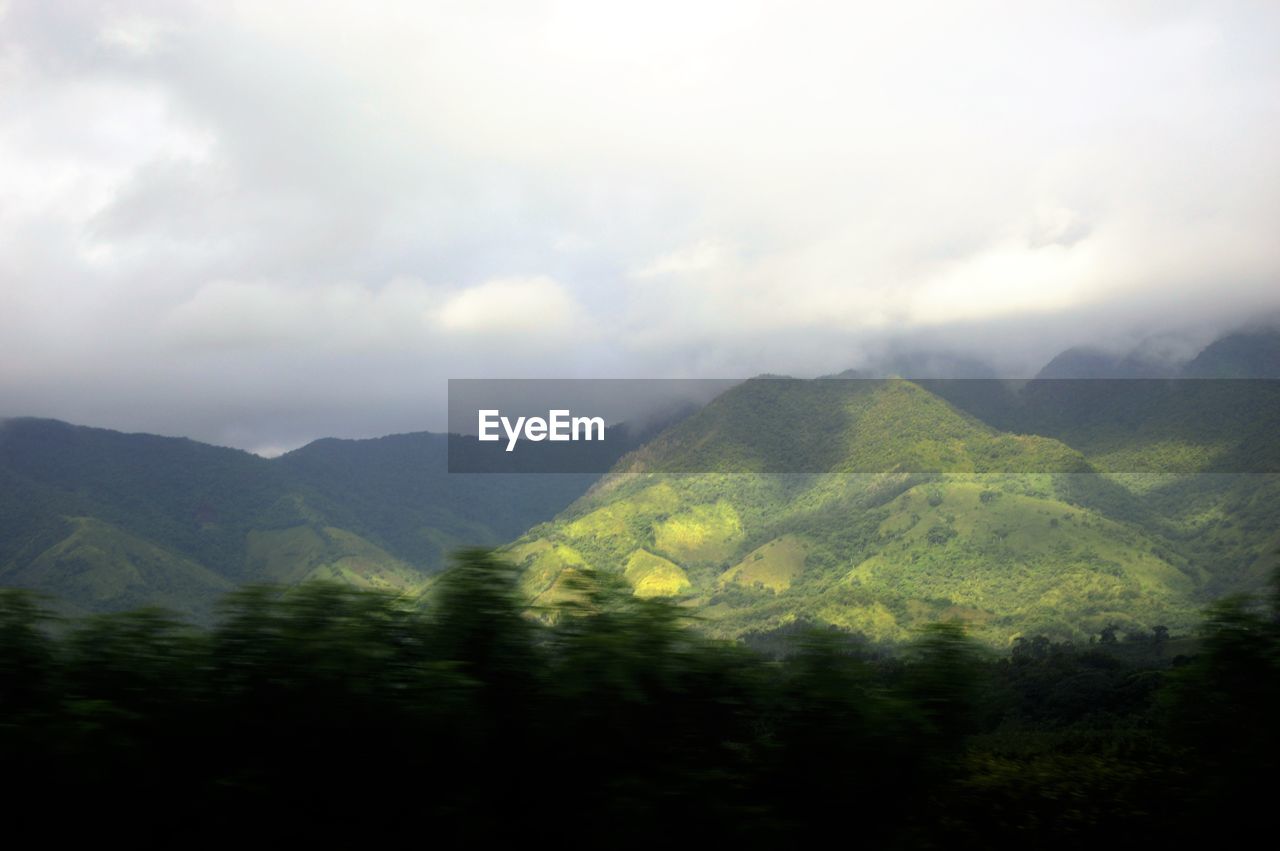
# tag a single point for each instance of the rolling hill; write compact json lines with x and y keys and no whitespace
{"x":1052,"y":505}
{"x":104,"y":521}
{"x":879,"y":506}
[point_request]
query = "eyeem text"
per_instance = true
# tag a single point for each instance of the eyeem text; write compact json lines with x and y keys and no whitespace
{"x":558,"y":425}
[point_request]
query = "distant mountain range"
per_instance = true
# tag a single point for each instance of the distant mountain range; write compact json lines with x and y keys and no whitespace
{"x":1244,"y":354}
{"x":900,"y":516}
{"x":104,"y":520}
{"x":1251,"y":353}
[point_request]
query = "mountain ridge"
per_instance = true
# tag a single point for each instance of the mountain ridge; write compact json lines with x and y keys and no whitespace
{"x":91,"y":515}
{"x":381,"y":512}
{"x":937,"y":530}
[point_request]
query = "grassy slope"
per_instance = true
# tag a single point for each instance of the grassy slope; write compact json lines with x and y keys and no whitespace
{"x":1010,"y":553}
{"x":106,"y":521}
{"x":100,"y":567}
{"x":1192,"y":462}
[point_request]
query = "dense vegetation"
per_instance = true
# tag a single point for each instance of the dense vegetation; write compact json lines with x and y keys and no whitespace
{"x":108,"y":521}
{"x":1056,"y":507}
{"x":323,"y":708}
{"x":1061,"y":508}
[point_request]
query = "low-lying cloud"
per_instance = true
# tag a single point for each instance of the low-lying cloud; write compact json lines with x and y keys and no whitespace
{"x":257,"y":224}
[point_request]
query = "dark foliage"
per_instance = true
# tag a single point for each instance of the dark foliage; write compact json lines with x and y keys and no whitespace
{"x":322,"y":712}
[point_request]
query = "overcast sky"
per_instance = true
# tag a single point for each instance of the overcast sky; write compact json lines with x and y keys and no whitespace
{"x":259,"y":223}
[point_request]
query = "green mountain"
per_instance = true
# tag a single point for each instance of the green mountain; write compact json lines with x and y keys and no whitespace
{"x":1087,"y":362}
{"x":103,"y":520}
{"x":907,"y":509}
{"x":1244,"y":354}
{"x":1052,"y":505}
{"x":1251,"y":353}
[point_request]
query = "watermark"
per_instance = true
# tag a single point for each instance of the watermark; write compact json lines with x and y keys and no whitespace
{"x":557,"y":426}
{"x":778,"y":425}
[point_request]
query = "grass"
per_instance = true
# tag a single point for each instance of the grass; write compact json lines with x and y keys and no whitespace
{"x":654,"y":576}
{"x":774,"y":565}
{"x":703,"y":533}
{"x":302,"y":553}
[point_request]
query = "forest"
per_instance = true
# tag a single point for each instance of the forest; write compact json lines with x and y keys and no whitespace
{"x":325,"y":711}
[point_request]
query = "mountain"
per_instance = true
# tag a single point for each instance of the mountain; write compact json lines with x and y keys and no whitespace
{"x":880,"y":506}
{"x":1241,"y":354}
{"x":1244,"y":354}
{"x":1145,"y":361}
{"x":103,"y":520}
{"x":1195,"y":462}
{"x":1053,"y":505}
{"x":1083,"y":362}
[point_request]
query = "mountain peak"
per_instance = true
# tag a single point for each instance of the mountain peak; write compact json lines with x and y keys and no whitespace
{"x":1243,"y":354}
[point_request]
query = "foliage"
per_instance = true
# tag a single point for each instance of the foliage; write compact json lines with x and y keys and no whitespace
{"x":1058,"y":508}
{"x":1060,"y":548}
{"x":106,"y":521}
{"x":328,"y":712}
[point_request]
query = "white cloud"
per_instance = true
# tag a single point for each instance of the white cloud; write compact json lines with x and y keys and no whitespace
{"x":201,"y":192}
{"x":537,"y":306}
{"x":697,"y":258}
{"x":134,"y":36}
{"x":403,"y":315}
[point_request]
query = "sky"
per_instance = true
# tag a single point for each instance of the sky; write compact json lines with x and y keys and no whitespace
{"x":261,"y":223}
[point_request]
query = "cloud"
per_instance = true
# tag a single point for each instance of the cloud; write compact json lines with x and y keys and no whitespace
{"x":231,"y":315}
{"x":535,"y":305}
{"x":403,"y":315}
{"x":697,"y":258}
{"x":242,"y":197}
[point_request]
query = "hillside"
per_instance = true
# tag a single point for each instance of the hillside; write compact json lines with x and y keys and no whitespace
{"x":1244,"y":354}
{"x":103,"y":520}
{"x":1056,"y":504}
{"x":878,"y":506}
